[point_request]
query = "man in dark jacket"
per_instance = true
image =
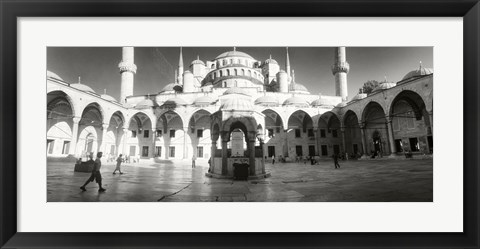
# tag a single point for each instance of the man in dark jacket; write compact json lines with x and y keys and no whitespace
{"x":95,"y":174}
{"x":335,"y":161}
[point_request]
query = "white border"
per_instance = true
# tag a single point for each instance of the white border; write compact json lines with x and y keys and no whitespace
{"x":444,"y":214}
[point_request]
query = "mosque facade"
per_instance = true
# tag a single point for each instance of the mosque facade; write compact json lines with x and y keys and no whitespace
{"x":194,"y":116}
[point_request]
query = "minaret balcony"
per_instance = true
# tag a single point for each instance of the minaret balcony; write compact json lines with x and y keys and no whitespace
{"x":340,"y":67}
{"x":127,"y":67}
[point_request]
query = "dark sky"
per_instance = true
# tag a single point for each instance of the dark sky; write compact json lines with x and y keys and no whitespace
{"x":98,"y":69}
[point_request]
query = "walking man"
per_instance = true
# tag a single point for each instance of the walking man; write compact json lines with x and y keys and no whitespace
{"x":119,"y":162}
{"x":95,"y":174}
{"x":194,"y":157}
{"x":273,"y":159}
{"x":335,"y":161}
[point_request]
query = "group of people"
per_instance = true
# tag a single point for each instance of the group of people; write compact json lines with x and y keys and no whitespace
{"x":97,"y":176}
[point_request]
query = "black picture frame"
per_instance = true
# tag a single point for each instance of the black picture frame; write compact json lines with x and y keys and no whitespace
{"x":10,"y":10}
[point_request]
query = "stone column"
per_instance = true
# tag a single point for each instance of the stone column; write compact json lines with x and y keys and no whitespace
{"x":344,"y":145}
{"x":212,"y":156}
{"x":364,"y":143}
{"x":73,"y":142}
{"x":103,"y":146}
{"x":125,"y":137}
{"x":252,"y":156}
{"x":285,"y":151}
{"x":393,"y":149}
{"x":224,"y":156}
{"x":262,"y":145}
{"x":185,"y":134}
{"x":154,"y":139}
{"x":317,"y":140}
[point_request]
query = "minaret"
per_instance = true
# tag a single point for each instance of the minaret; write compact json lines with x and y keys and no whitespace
{"x":180,"y":68}
{"x":340,"y":69}
{"x":287,"y":65}
{"x":127,"y":70}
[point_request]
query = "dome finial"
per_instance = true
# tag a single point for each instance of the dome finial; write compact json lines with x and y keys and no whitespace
{"x":105,"y":91}
{"x":270,"y":56}
{"x":79,"y":80}
{"x":421,"y":65}
{"x":385,"y":77}
{"x":198,"y":57}
{"x":234,"y":48}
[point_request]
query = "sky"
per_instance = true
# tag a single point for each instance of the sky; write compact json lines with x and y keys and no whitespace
{"x":97,"y":66}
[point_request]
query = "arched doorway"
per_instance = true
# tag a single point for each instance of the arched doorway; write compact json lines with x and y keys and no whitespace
{"x":90,"y":128}
{"x":300,"y":136}
{"x":275,"y":135}
{"x":376,"y":136}
{"x":199,"y":133}
{"x":329,"y":135}
{"x":410,"y":124}
{"x":112,"y":144}
{"x":171,"y":142}
{"x":60,"y":124}
{"x":353,"y":135}
{"x":139,"y":138}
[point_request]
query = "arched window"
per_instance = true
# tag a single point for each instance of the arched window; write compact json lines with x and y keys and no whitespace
{"x":249,"y":73}
{"x":213,"y":66}
{"x":224,"y":84}
{"x":243,"y":71}
{"x":228,"y":72}
{"x":221,"y":73}
{"x":225,"y":62}
{"x":236,"y":72}
{"x":231,"y":61}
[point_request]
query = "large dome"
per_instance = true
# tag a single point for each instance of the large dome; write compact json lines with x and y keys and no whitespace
{"x":418,"y":72}
{"x":237,"y":104}
{"x":297,"y":87}
{"x":296,"y":101}
{"x":234,"y":53}
{"x":266,"y":101}
{"x":82,"y":87}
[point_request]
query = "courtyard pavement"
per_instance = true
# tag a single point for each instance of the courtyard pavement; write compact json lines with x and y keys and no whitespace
{"x":355,"y":181}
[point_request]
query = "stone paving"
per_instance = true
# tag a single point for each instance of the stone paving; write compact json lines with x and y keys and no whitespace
{"x":355,"y":181}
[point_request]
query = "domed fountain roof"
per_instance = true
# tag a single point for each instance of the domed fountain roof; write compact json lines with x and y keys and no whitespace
{"x":237,"y":104}
{"x":418,"y":72}
{"x":322,"y":102}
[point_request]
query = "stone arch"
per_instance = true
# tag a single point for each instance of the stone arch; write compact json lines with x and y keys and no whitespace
{"x":411,"y":124}
{"x":95,"y":105}
{"x":199,"y":131}
{"x":250,"y":126}
{"x":60,"y":124}
{"x":55,"y":95}
{"x":353,"y":134}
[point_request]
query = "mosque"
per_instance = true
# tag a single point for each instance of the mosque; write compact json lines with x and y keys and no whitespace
{"x":235,"y":108}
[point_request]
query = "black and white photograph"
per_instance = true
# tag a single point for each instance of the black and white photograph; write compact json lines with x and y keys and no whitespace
{"x":239,"y":124}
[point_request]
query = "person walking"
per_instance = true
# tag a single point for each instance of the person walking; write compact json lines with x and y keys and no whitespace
{"x":119,"y":162}
{"x":335,"y":161}
{"x":273,"y":159}
{"x":95,"y":174}
{"x":194,"y":157}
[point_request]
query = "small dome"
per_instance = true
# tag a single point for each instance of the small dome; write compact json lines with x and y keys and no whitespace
{"x":296,"y":101}
{"x":383,"y":86}
{"x":266,"y":101}
{"x":175,"y":102}
{"x":236,"y":90}
{"x":82,"y":87}
{"x":234,"y":53}
{"x":204,"y":100}
{"x":172,"y":87}
{"x":197,"y":61}
{"x":53,"y":75}
{"x":299,"y":88}
{"x":107,"y":97}
{"x":359,"y":96}
{"x":418,"y":72}
{"x":322,"y":102}
{"x":271,"y":61}
{"x":237,"y":104}
{"x":146,"y":103}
